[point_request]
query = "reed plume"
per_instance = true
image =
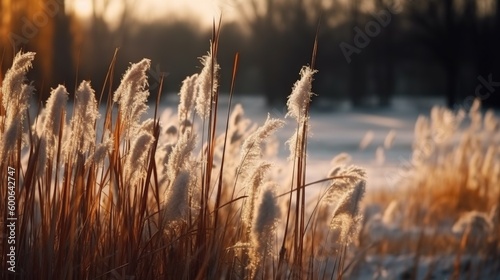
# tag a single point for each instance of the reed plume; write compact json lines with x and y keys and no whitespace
{"x":206,"y":85}
{"x":85,"y":115}
{"x":15,"y":100}
{"x":132,"y":95}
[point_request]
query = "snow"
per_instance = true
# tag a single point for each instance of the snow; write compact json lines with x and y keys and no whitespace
{"x":339,"y":130}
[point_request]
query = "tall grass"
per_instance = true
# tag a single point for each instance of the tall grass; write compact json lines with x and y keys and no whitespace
{"x":446,"y":201}
{"x":114,"y":196}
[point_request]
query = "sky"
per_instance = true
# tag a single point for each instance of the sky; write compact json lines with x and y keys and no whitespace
{"x":203,"y":11}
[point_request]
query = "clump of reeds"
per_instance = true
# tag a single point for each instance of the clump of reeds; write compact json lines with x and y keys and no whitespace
{"x":123,"y":197}
{"x":459,"y":148}
{"x":448,"y":193}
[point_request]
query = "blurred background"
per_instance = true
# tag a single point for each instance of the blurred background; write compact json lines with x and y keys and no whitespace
{"x":370,"y":51}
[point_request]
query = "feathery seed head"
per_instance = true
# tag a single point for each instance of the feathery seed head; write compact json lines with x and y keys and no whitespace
{"x":264,"y":228}
{"x":301,"y":94}
{"x":15,"y":77}
{"x":268,"y":211}
{"x":101,"y":150}
{"x":83,"y":120}
{"x":147,"y":125}
{"x":251,"y":149}
{"x":206,"y":85}
{"x":346,"y":216}
{"x":176,"y":203}
{"x":187,"y":96}
{"x":341,"y":159}
{"x":15,"y":100}
{"x":252,"y":183}
{"x":179,"y":157}
{"x":136,"y":159}
{"x":132,"y":94}
{"x":55,"y":114}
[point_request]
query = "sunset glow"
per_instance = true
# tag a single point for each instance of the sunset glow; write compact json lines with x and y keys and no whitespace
{"x":201,"y":11}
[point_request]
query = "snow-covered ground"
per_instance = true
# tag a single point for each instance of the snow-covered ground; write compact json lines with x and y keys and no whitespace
{"x":338,"y":130}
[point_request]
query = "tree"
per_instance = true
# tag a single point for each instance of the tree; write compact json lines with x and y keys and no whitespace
{"x":384,"y":56}
{"x":283,"y":35}
{"x":358,"y":78}
{"x":441,"y":33}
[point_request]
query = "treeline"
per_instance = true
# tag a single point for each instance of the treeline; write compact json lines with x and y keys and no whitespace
{"x":369,"y":50}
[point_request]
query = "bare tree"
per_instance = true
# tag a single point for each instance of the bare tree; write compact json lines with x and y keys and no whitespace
{"x":283,"y":34}
{"x":441,"y":33}
{"x":357,"y":67}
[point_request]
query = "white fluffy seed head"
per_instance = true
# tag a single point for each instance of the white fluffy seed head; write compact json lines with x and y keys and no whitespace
{"x":252,"y":184}
{"x":132,"y":95}
{"x":101,"y":150}
{"x":301,"y":94}
{"x":83,"y":121}
{"x":176,"y":202}
{"x":264,"y":228}
{"x":347,"y":218}
{"x":135,"y":164}
{"x":55,"y":115}
{"x":296,"y":142}
{"x":251,"y":150}
{"x":268,"y":210}
{"x":147,"y":125}
{"x":206,"y":85}
{"x":15,"y":77}
{"x":15,"y":100}
{"x":187,"y":96}
{"x":179,"y":157}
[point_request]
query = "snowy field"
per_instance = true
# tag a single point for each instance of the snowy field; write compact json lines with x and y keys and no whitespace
{"x":356,"y":132}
